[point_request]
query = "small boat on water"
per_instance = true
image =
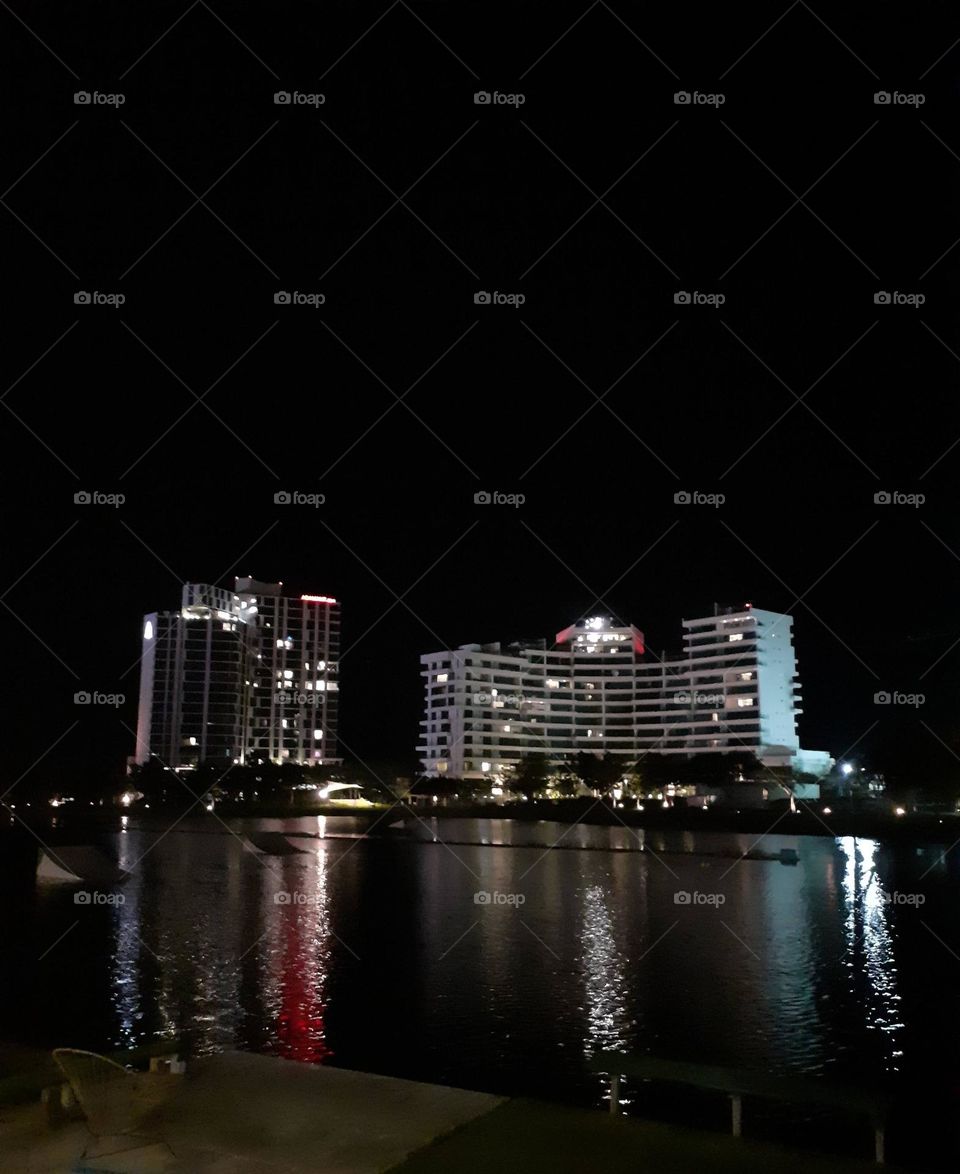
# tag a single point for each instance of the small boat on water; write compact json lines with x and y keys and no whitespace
{"x":78,"y":864}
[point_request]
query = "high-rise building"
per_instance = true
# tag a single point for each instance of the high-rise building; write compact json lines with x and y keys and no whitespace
{"x":597,"y":689}
{"x":241,"y":676}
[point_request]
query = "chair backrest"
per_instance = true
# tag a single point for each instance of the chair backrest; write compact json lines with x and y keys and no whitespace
{"x":104,"y":1089}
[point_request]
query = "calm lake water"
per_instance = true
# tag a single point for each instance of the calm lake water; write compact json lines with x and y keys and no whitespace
{"x":375,"y":954}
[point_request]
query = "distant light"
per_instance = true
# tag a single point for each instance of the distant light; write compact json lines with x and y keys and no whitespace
{"x":126,"y":798}
{"x":827,"y":811}
{"x":318,"y":599}
{"x":900,"y":811}
{"x":148,"y":630}
{"x":846,"y":768}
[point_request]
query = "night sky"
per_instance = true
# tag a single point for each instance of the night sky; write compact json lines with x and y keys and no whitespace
{"x":598,"y":399}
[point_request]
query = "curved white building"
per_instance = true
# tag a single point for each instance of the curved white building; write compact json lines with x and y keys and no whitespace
{"x":597,"y":689}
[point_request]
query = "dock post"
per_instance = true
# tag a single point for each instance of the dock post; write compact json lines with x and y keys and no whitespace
{"x":614,"y":1094}
{"x":736,"y":1113}
{"x":878,"y":1144}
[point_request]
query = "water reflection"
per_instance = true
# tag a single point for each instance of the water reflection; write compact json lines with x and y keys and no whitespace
{"x":607,"y":1023}
{"x":869,"y":947}
{"x":295,"y":957}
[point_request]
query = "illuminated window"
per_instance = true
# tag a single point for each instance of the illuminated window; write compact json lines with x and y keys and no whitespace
{"x":288,"y":674}
{"x":735,"y":636}
{"x":317,"y":735}
{"x":485,"y":766}
{"x":552,"y":683}
{"x":442,"y":678}
{"x":744,"y":701}
{"x":746,"y":676}
{"x":148,"y":631}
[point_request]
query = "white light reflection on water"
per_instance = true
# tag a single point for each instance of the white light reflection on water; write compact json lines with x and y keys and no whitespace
{"x":869,"y":946}
{"x":608,"y":1022}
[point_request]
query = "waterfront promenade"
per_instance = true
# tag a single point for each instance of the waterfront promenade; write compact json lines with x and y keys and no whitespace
{"x":260,"y":1115}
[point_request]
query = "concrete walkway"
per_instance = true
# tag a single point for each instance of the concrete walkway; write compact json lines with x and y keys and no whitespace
{"x":259,"y":1115}
{"x":236,"y":1113}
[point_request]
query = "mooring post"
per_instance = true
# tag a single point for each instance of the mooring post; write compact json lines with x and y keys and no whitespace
{"x":878,"y":1144}
{"x":736,"y":1112}
{"x":614,"y":1094}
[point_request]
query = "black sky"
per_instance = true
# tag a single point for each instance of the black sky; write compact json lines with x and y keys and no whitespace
{"x":700,"y":398}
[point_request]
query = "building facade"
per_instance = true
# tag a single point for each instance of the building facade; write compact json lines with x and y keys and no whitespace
{"x":244,"y":676}
{"x":597,"y":689}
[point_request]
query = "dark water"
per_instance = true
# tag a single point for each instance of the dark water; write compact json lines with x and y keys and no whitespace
{"x":383,"y":960}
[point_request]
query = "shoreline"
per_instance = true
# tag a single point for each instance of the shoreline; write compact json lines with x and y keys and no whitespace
{"x":915,"y":828}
